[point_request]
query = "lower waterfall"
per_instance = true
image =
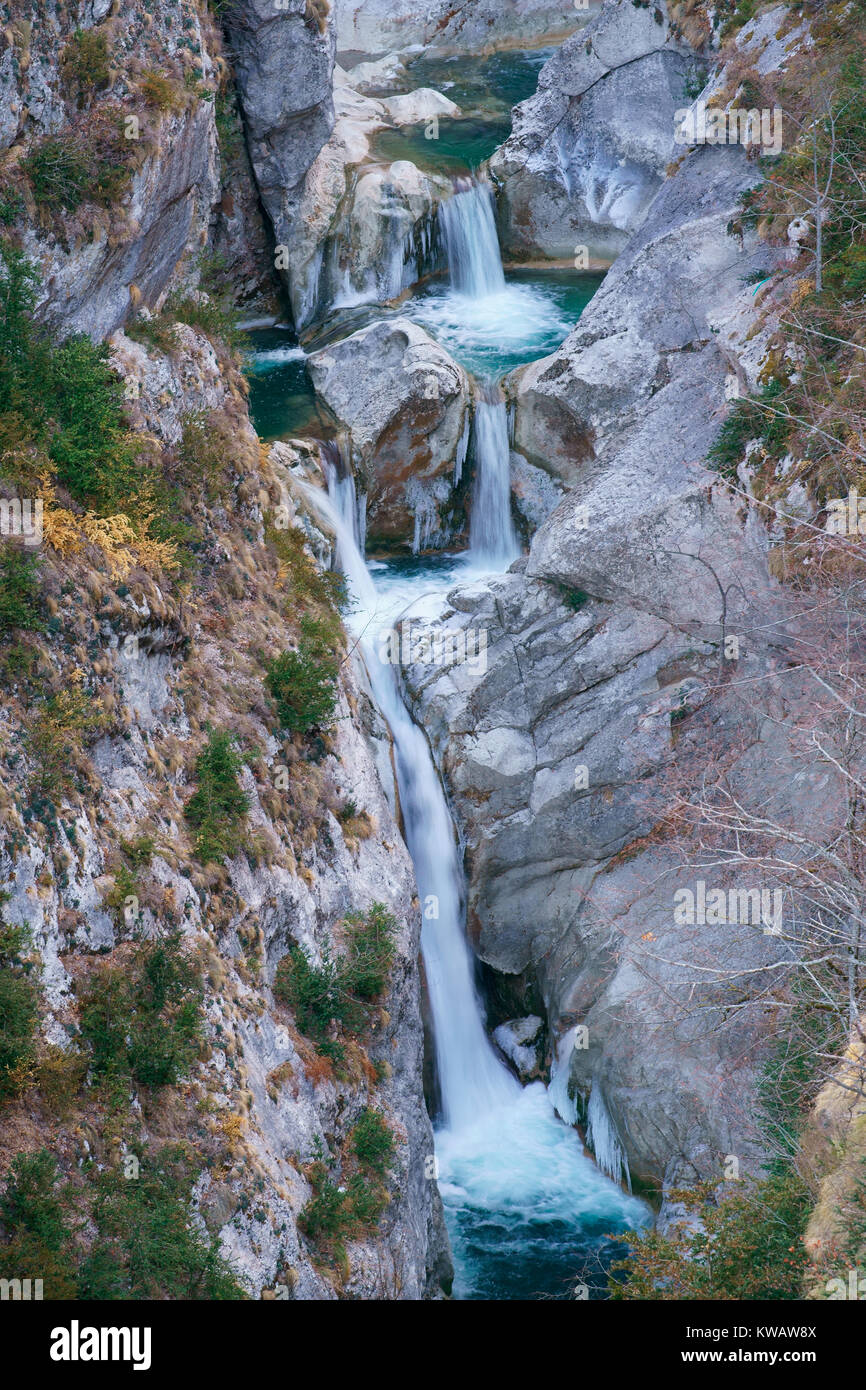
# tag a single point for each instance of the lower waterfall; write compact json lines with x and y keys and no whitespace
{"x":492,"y":538}
{"x":526,"y":1209}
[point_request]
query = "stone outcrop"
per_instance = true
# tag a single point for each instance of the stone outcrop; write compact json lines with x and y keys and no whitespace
{"x":373,"y":26}
{"x":588,"y":151}
{"x":97,"y":263}
{"x":403,"y":405}
{"x":284,"y":62}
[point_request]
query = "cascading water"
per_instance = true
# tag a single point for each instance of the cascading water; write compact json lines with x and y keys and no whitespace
{"x":492,"y":538}
{"x":527,"y":1211}
{"x":475,"y":271}
{"x":490,"y":324}
{"x":472,"y":1078}
{"x":471,"y":244}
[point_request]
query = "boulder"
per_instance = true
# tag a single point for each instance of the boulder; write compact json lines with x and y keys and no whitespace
{"x":424,"y":104}
{"x":379,"y":76}
{"x":403,"y":404}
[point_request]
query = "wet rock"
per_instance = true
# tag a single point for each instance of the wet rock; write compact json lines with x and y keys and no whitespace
{"x":520,"y":1039}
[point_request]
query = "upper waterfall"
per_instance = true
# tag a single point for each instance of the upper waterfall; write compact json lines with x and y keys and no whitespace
{"x":469,"y":231}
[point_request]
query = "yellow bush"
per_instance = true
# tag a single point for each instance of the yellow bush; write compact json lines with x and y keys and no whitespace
{"x":123,"y":543}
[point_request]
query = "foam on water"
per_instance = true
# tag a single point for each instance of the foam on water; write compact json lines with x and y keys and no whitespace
{"x":492,"y":332}
{"x":266,"y":359}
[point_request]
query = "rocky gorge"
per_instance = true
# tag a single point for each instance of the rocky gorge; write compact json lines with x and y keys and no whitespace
{"x":415,"y":656}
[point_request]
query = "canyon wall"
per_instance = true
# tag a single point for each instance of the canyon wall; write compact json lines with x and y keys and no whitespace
{"x":161,"y":660}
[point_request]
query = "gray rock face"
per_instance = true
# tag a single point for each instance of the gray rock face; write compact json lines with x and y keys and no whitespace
{"x":588,"y":151}
{"x":95,"y":264}
{"x":403,"y":403}
{"x":284,"y":62}
{"x":377,"y":26}
{"x":90,"y":290}
{"x":259,"y":1073}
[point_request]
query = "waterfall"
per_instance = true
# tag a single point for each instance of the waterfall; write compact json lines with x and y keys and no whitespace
{"x":475,"y":268}
{"x":471,"y":244}
{"x":473,"y":1081}
{"x":492,"y":539}
{"x":524,"y":1205}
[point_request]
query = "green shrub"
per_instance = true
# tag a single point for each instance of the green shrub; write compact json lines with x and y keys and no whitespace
{"x":303,"y":683}
{"x":61,"y":172}
{"x":85,"y":62}
{"x":339,"y":991}
{"x":138,"y":852}
{"x":373,"y":1142}
{"x":371,"y":951}
{"x":18,"y":1012}
{"x":19,"y":591}
{"x":760,"y":418}
{"x":30,"y":1203}
{"x":218,"y":807}
{"x":326,"y":1214}
{"x":68,"y":395}
{"x":90,"y":162}
{"x":365,"y":1200}
{"x":144,"y":1021}
{"x":749,"y":1246}
{"x":313,"y":992}
{"x":38,"y":1239}
{"x":150,"y":1246}
{"x":89,"y":444}
{"x":12,"y":205}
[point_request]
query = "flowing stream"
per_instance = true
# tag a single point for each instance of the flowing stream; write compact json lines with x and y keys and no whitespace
{"x":528,"y":1212}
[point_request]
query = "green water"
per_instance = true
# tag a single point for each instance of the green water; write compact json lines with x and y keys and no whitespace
{"x":489,"y":337}
{"x":460,"y":146}
{"x":485,"y":89}
{"x":492,"y":335}
{"x":487,"y":86}
{"x":282,"y":399}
